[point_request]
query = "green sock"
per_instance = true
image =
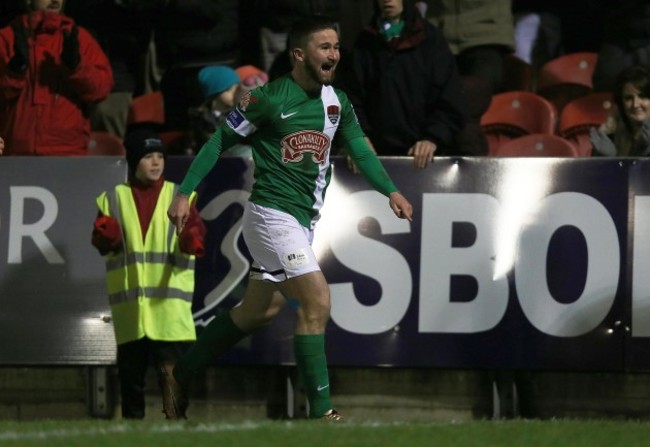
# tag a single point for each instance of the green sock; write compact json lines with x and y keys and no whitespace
{"x":218,"y":336}
{"x":312,"y":365}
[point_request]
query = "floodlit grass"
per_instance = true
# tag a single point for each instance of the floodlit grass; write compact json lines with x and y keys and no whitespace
{"x":555,"y":433}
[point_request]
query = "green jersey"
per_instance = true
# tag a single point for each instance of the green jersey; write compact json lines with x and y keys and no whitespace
{"x":291,"y":132}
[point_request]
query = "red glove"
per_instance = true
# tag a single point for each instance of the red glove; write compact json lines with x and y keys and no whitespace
{"x":191,"y":242}
{"x":107,"y":234}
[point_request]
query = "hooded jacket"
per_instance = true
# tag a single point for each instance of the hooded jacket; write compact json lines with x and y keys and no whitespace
{"x":43,"y":111}
{"x":407,"y":89}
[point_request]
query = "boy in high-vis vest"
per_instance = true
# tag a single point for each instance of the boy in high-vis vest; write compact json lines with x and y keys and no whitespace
{"x":149,"y":274}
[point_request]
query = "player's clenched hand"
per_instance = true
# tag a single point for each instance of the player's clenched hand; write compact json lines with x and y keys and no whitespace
{"x":179,"y":211}
{"x":400,"y":206}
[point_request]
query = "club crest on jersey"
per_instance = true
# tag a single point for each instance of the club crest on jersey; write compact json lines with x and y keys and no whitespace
{"x":295,"y":145}
{"x":333,"y":113}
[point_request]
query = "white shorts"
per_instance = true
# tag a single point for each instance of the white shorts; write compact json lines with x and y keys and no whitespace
{"x":280,"y":246}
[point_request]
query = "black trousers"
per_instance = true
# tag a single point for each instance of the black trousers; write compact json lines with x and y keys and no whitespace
{"x":133,"y":360}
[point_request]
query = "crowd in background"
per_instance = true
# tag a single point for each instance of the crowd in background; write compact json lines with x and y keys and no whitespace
{"x":424,"y":81}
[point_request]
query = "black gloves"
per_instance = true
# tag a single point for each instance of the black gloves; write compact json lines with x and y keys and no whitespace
{"x":20,"y":61}
{"x":70,"y":55}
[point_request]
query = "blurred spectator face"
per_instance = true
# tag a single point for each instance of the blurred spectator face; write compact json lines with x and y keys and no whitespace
{"x":150,"y":167}
{"x":46,"y":5}
{"x":391,"y":9}
{"x":255,"y":81}
{"x":227,"y":99}
{"x":2,"y":146}
{"x":637,"y":105}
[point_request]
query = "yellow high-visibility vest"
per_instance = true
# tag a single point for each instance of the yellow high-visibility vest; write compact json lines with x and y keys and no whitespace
{"x":150,"y":282}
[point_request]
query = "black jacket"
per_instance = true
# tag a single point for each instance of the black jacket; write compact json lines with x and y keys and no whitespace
{"x":408,"y":89}
{"x":123,"y":30}
{"x":198,"y":32}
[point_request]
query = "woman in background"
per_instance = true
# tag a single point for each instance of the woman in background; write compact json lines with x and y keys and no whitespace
{"x":626,"y":132}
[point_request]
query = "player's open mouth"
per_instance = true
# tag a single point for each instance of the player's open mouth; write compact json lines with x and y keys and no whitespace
{"x":327,"y":68}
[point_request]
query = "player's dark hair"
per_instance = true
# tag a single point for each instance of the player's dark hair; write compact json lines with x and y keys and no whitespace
{"x":302,"y":28}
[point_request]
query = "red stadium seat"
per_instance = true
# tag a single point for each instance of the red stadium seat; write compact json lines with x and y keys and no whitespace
{"x":105,"y":143}
{"x":538,"y":145}
{"x":567,"y":77}
{"x":515,"y":114}
{"x":178,"y":142}
{"x":147,"y":108}
{"x":575,"y":68}
{"x":582,"y":114}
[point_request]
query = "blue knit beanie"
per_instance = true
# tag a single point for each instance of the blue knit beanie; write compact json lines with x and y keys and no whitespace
{"x":216,"y":79}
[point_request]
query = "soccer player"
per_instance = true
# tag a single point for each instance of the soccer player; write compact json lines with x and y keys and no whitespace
{"x":291,"y":123}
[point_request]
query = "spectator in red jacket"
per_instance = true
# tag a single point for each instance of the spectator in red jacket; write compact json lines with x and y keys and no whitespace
{"x":51,"y":70}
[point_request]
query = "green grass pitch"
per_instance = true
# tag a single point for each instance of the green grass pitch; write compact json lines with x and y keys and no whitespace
{"x":118,"y":433}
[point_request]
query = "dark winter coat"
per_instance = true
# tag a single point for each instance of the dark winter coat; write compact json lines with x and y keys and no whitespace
{"x":408,"y":89}
{"x":43,"y":112}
